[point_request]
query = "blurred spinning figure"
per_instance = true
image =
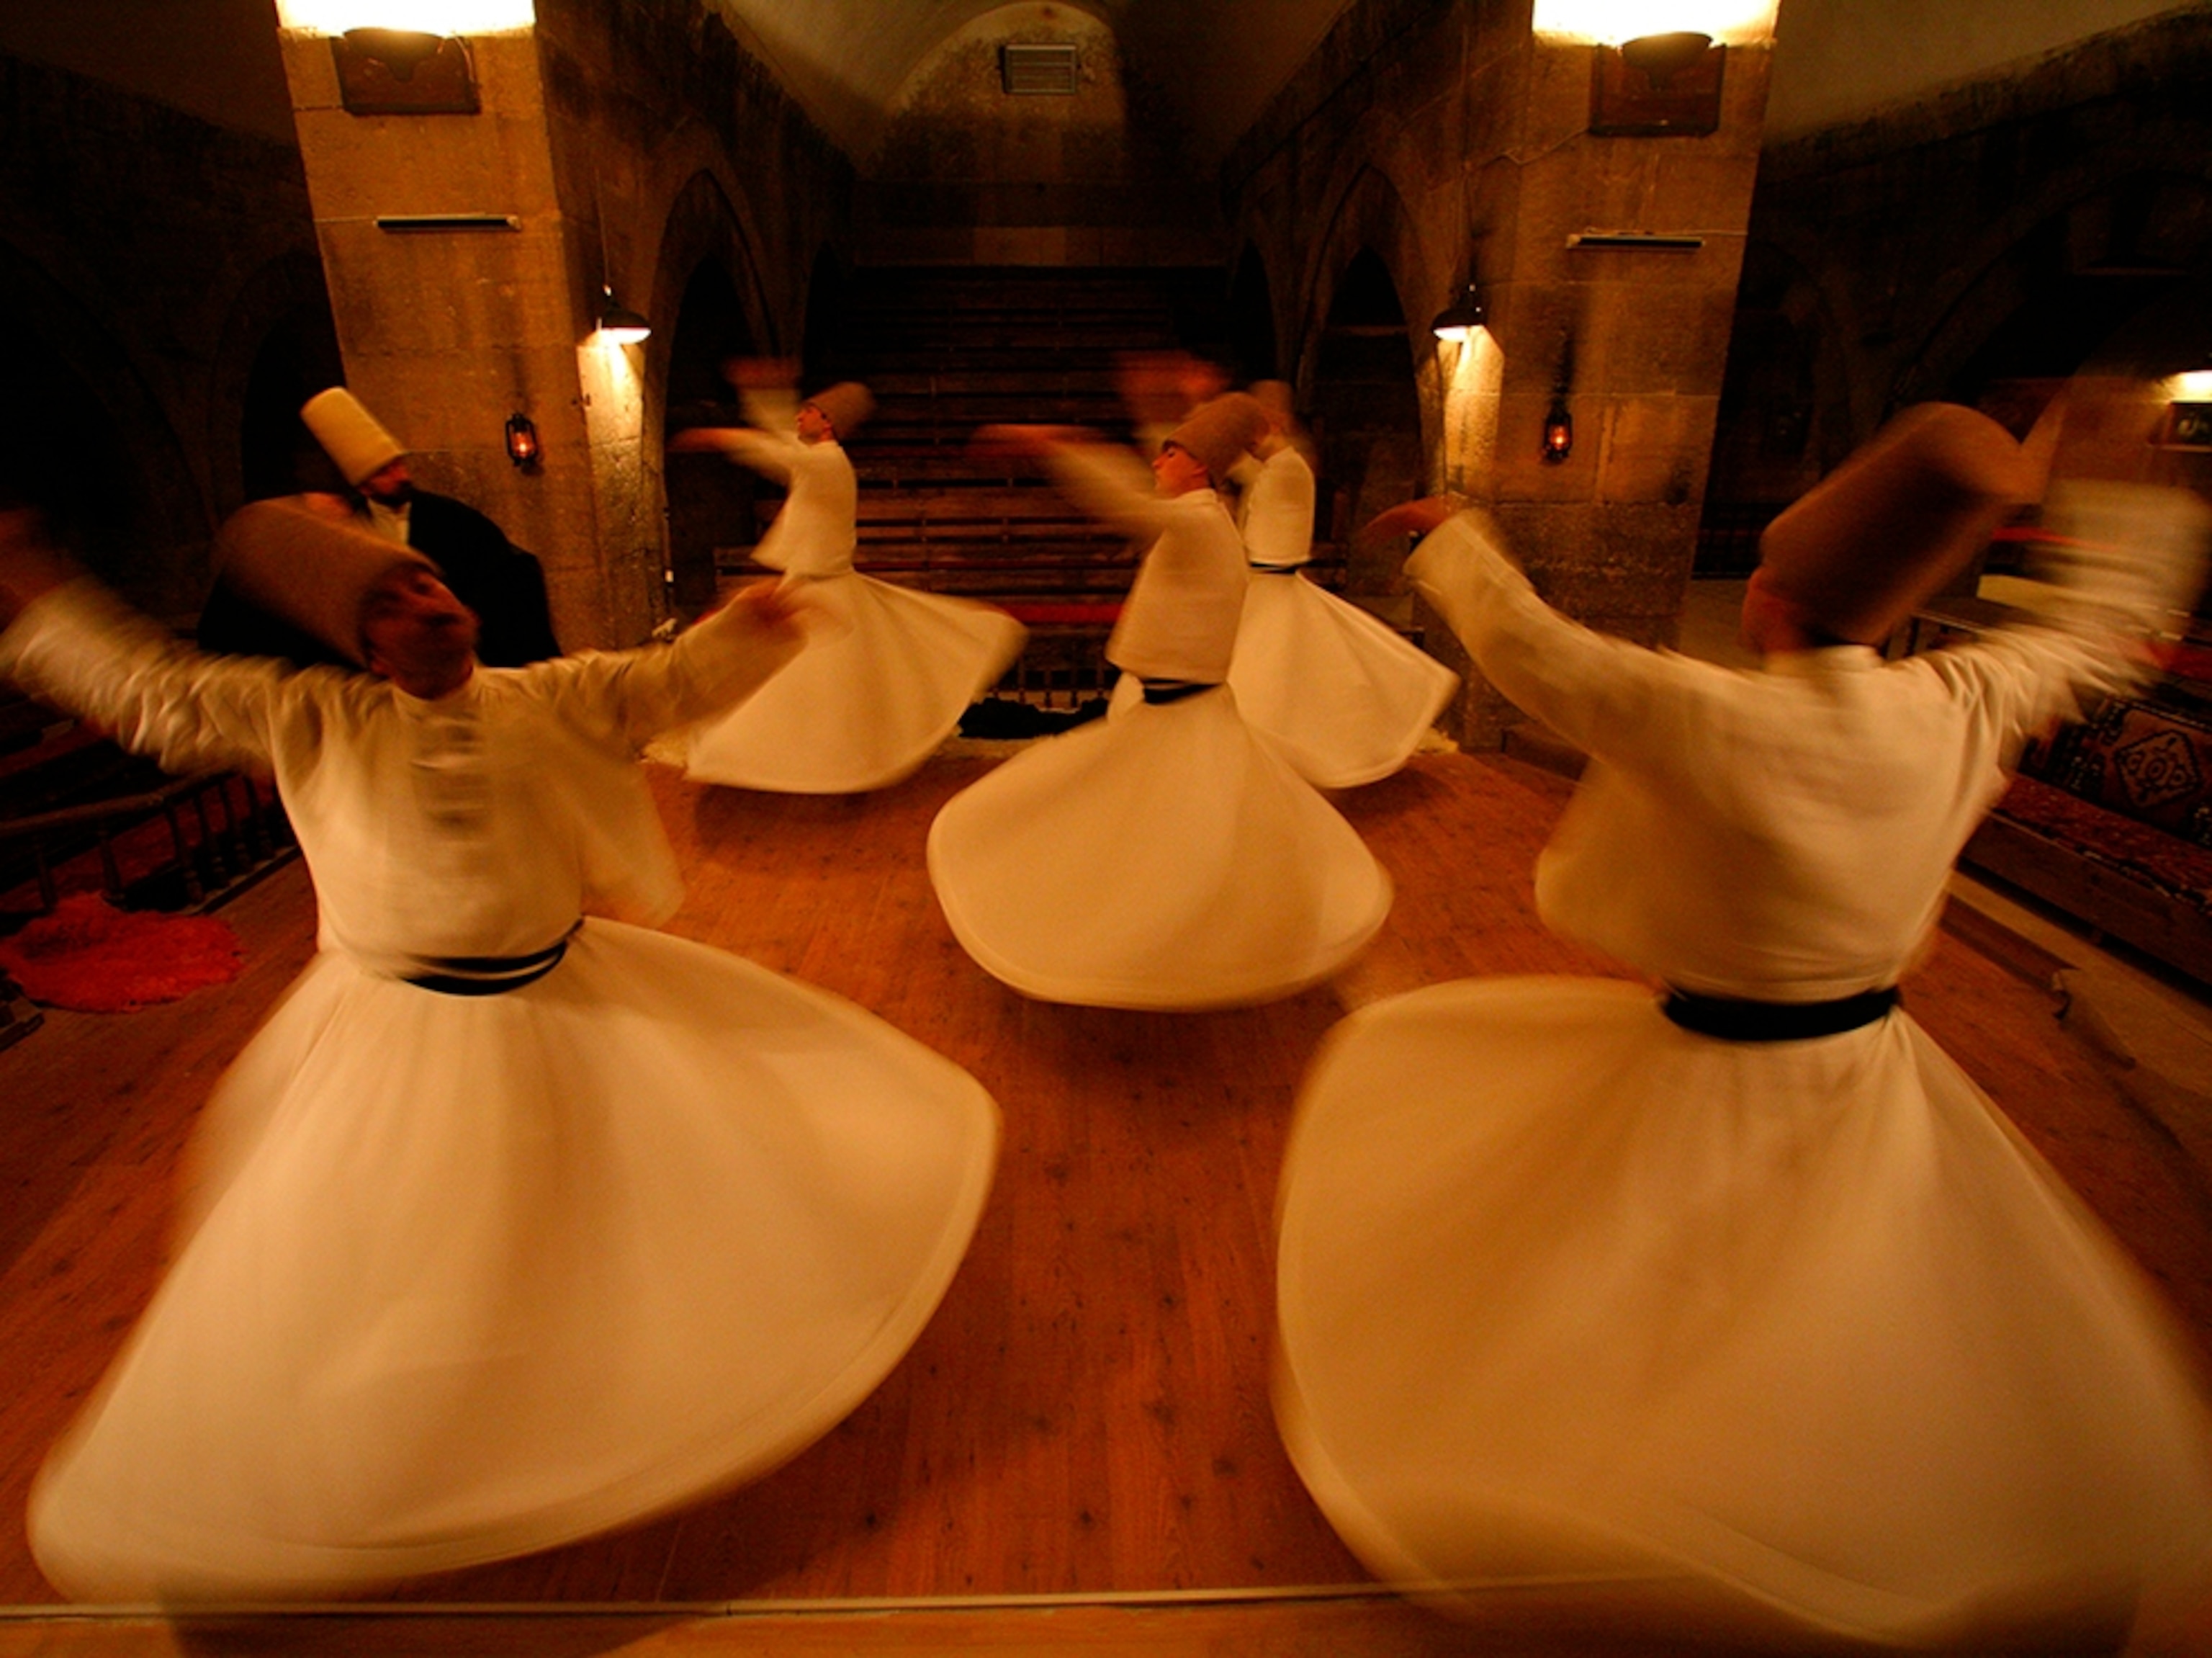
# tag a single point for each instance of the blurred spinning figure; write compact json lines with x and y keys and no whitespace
{"x":1345,"y":696}
{"x":510,"y":1225}
{"x":1166,"y":858}
{"x":1741,"y":1309}
{"x":887,"y":677}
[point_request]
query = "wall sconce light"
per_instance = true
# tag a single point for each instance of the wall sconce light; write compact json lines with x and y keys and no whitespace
{"x":1657,"y":86}
{"x":618,"y":324}
{"x":2188,"y":422}
{"x":403,"y":72}
{"x":522,"y":442}
{"x":1559,"y":432}
{"x":1460,"y":319}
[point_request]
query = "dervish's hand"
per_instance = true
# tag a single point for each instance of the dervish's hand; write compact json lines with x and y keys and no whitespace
{"x":775,"y":608}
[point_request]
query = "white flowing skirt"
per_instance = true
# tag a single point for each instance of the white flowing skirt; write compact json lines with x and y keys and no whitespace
{"x":1344,"y":698}
{"x":1578,"y":1306}
{"x":472,"y":1277}
{"x":871,"y":696}
{"x":1163,"y":858}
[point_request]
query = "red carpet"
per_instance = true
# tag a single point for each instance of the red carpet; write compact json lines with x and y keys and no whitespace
{"x":90,"y":958}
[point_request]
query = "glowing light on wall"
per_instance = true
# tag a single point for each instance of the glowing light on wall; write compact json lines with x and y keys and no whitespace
{"x":1609,"y":22}
{"x":431,"y":17}
{"x":1475,"y":377}
{"x":2194,"y":387}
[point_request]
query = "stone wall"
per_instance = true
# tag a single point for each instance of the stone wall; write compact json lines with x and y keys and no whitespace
{"x":615,"y":148}
{"x":149,"y":260}
{"x":2001,"y":232}
{"x":1441,"y":137}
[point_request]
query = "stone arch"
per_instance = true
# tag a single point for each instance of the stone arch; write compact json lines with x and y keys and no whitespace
{"x":823,"y":349}
{"x":83,"y":437}
{"x":277,"y":346}
{"x":707,"y":285}
{"x":1365,"y":212}
{"x":1365,"y":412}
{"x":2056,"y":292}
{"x":1785,"y":411}
{"x":1254,"y":338}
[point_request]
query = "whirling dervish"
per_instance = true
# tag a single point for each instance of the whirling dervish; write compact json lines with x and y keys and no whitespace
{"x":514,"y":1223}
{"x":1346,"y":697}
{"x":1167,"y":857}
{"x":885,"y":679}
{"x":1739,"y":1311}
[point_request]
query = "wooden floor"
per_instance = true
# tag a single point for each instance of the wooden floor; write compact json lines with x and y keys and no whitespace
{"x":1087,"y":1415}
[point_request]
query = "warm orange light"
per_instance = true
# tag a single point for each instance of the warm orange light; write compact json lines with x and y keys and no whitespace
{"x":1559,"y":432}
{"x":1610,"y":22}
{"x":431,"y":17}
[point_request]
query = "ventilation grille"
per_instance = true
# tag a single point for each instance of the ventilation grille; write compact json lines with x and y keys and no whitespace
{"x":1038,"y":71}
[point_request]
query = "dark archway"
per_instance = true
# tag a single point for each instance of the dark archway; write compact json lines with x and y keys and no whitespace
{"x":1252,"y":321}
{"x":2070,"y":284}
{"x":298,"y":357}
{"x":823,"y":352}
{"x":1784,"y":411}
{"x":1366,"y":415}
{"x":711,"y":504}
{"x":82,"y":439}
{"x":278,"y":347}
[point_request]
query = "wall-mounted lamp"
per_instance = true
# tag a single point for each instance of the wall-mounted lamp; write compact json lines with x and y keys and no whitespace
{"x":522,"y":442}
{"x":1463,"y":318}
{"x":1559,"y":432}
{"x":403,"y":72}
{"x":1558,"y":440}
{"x":1657,"y":86}
{"x":618,"y":324}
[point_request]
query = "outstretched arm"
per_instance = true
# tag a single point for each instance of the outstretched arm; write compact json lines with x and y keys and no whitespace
{"x":1599,"y":692}
{"x":768,"y":389}
{"x":1106,"y":480}
{"x":714,"y":664}
{"x":70,"y":643}
{"x":2120,"y":563}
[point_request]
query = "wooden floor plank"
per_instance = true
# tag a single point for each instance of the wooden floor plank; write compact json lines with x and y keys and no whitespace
{"x":1088,"y":1413}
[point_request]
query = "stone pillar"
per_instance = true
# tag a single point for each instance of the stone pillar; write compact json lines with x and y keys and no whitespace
{"x":1642,"y":328}
{"x":484,"y":307}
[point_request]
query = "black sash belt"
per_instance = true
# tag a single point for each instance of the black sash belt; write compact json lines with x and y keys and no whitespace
{"x":489,"y":975}
{"x":1276,"y":569}
{"x":1174,"y":690}
{"x":1732,"y":1020}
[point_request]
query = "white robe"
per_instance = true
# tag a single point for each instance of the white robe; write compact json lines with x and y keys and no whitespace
{"x":465,"y":1276}
{"x":879,"y":686}
{"x":1344,"y":696}
{"x":1799,"y":1336}
{"x":1166,"y":858}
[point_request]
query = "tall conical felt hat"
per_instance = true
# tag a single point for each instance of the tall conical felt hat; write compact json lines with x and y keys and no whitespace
{"x":350,"y":435}
{"x":310,"y":569}
{"x":847,"y":404}
{"x":1868,"y":544}
{"x":1218,"y":432}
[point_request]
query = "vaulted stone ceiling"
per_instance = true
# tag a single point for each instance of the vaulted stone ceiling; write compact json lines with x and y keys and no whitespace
{"x":1217,"y":62}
